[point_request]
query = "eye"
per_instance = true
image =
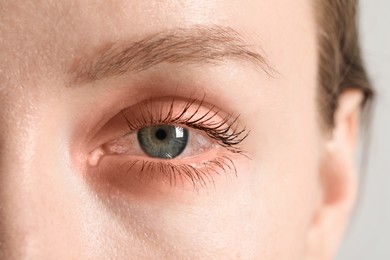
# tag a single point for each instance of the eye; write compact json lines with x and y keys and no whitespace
{"x":163,"y":141}
{"x":171,"y":141}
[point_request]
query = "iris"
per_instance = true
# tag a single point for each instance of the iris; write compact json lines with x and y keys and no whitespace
{"x":163,"y":141}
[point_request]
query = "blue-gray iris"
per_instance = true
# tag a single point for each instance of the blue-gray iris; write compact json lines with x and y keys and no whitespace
{"x":163,"y":141}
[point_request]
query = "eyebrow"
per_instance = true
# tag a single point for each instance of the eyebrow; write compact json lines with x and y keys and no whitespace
{"x":199,"y":45}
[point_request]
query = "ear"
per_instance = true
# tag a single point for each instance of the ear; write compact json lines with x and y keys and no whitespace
{"x":338,"y":180}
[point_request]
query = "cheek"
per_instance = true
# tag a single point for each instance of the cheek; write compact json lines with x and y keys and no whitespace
{"x":233,"y":220}
{"x":286,"y":173}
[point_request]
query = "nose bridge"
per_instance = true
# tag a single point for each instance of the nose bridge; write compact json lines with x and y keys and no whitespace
{"x":16,"y":217}
{"x":18,"y":130}
{"x":17,"y":155}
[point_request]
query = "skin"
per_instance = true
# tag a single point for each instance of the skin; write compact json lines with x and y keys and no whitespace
{"x":290,"y":200}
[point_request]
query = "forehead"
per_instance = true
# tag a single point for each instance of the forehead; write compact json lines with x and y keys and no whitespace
{"x":46,"y":37}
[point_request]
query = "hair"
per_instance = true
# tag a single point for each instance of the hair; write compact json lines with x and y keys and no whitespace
{"x":341,"y":65}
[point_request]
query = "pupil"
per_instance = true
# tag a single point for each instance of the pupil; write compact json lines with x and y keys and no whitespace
{"x":161,"y":134}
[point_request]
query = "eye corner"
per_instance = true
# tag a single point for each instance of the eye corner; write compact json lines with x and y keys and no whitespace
{"x":95,"y":156}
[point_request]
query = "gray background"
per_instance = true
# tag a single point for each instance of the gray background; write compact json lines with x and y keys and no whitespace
{"x":369,"y":233}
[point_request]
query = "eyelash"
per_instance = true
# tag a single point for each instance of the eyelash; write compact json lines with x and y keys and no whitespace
{"x":199,"y":178}
{"x":225,"y":132}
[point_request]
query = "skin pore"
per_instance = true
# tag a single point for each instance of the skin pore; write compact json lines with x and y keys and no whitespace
{"x":74,"y":76}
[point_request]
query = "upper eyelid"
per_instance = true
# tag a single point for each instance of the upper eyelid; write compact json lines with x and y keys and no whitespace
{"x":181,"y":106}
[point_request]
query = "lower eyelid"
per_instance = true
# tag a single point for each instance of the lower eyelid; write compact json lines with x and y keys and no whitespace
{"x":137,"y":175}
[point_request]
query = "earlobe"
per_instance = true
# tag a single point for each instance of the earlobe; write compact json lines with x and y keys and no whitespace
{"x":338,"y":179}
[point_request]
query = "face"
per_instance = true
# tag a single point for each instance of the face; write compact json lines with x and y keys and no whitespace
{"x":168,"y":129}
